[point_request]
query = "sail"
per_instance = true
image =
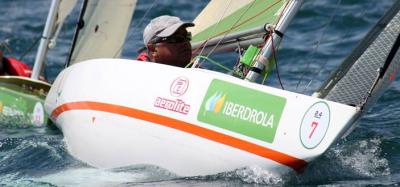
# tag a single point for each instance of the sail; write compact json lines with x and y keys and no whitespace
{"x":235,"y":19}
{"x":105,"y":26}
{"x":59,"y":10}
{"x":65,"y":8}
{"x":63,"y":11}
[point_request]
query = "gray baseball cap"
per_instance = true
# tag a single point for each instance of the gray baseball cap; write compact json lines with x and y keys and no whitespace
{"x":163,"y":26}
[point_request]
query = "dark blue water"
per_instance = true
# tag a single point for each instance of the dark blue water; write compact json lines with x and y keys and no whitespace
{"x":321,"y":35}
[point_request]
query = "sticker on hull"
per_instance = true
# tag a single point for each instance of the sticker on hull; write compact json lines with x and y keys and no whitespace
{"x":38,"y":114}
{"x":242,"y":110}
{"x":314,"y":125}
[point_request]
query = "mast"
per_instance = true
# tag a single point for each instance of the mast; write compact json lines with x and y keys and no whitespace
{"x":44,"y":41}
{"x":262,"y":60}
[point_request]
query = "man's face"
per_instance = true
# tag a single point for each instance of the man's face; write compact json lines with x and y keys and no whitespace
{"x":175,"y":50}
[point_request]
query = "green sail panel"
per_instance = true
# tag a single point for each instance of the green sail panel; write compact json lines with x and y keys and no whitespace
{"x":251,"y":14}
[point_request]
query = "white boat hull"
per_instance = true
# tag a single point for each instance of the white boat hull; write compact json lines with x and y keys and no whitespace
{"x":116,"y":113}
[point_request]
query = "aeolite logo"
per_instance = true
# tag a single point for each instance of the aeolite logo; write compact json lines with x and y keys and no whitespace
{"x":179,"y":86}
{"x":177,"y":89}
{"x":242,"y":110}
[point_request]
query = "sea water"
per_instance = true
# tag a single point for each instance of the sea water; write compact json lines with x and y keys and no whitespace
{"x":322,"y":34}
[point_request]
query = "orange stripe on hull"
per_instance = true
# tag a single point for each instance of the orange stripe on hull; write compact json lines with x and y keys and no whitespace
{"x":282,"y":158}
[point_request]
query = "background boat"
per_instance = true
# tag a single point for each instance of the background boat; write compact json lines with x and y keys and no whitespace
{"x":375,"y":138}
{"x":23,"y":90}
{"x":21,"y":101}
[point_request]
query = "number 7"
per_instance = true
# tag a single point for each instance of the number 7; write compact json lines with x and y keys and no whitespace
{"x":314,"y":126}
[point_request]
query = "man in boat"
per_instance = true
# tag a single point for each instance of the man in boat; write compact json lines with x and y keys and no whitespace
{"x":12,"y":66}
{"x":167,"y":41}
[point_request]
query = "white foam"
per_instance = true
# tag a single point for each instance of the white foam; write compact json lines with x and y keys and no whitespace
{"x":258,"y":175}
{"x":103,"y":177}
{"x":253,"y":175}
{"x":90,"y":177}
{"x":364,"y":159}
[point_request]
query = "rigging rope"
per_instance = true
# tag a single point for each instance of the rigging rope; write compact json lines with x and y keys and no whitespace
{"x":215,"y":28}
{"x":281,"y":13}
{"x":317,"y":46}
{"x":346,"y":35}
{"x":234,"y":26}
{"x":204,"y":44}
{"x":276,"y":62}
{"x":79,"y":25}
{"x":274,"y":51}
{"x":215,"y":63}
{"x":138,"y":26}
{"x":5,"y":45}
{"x":30,"y":48}
{"x":265,"y":41}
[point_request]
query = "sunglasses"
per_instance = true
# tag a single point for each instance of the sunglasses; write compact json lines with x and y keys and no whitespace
{"x":176,"y":38}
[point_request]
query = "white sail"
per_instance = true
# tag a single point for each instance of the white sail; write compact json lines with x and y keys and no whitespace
{"x":105,"y":28}
{"x":65,"y":9}
{"x":59,"y":10}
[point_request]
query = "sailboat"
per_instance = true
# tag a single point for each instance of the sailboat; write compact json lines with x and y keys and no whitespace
{"x":195,"y":121}
{"x":22,"y":97}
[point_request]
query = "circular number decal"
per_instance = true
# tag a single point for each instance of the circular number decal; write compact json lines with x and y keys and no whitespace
{"x":38,"y":114}
{"x":314,"y":125}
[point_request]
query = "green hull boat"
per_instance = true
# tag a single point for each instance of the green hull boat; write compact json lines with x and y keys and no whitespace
{"x":21,"y":101}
